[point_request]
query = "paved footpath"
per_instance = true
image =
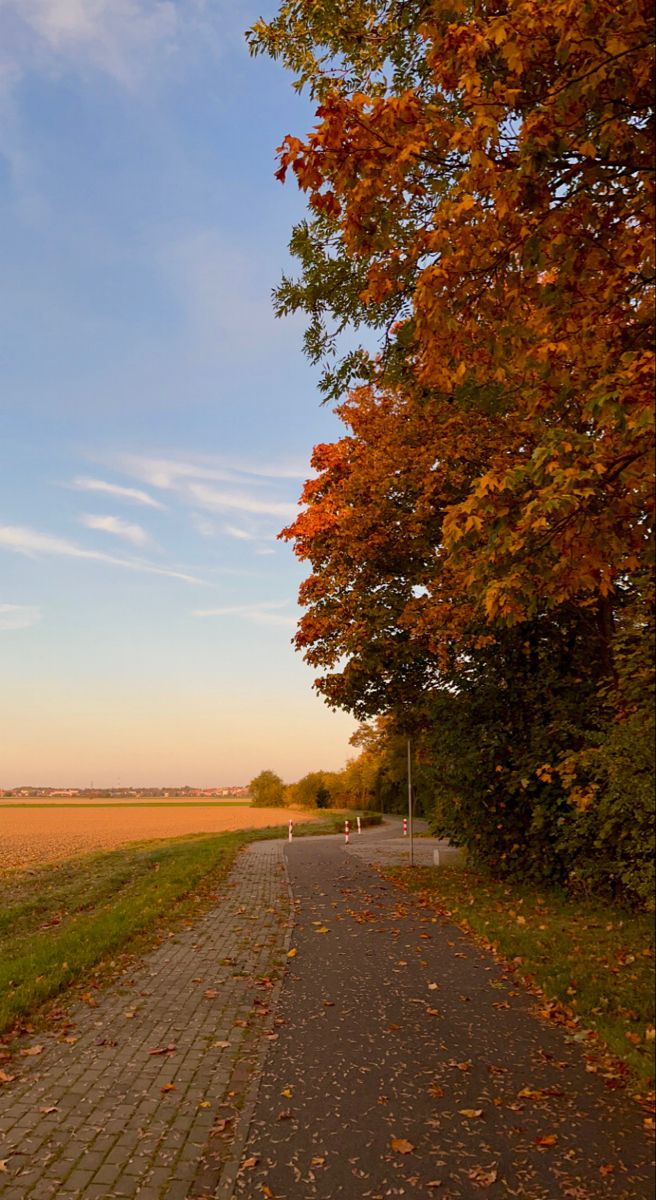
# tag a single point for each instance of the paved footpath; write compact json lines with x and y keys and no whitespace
{"x":95,"y":1114}
{"x":387,"y":1057}
{"x":409,"y":1063}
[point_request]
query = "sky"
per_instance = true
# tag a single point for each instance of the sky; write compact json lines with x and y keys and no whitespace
{"x":156,"y":419}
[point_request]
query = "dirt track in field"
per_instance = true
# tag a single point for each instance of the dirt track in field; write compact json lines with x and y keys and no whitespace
{"x":33,"y":836}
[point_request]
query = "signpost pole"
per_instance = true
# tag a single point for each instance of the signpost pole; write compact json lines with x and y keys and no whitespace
{"x":410,"y":828}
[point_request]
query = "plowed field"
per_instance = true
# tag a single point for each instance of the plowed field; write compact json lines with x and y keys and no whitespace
{"x":31,"y":836}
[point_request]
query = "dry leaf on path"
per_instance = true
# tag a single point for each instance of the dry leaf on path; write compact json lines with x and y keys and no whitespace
{"x":546,"y":1140}
{"x":292,"y":953}
{"x":163,"y":1049}
{"x":168,"y":1087}
{"x":30,"y":1051}
{"x":401,"y":1146}
{"x":483,"y":1176}
{"x":5,"y":1078}
{"x":470,"y":1112}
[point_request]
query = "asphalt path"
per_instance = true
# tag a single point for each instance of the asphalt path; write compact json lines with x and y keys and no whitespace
{"x":409,"y":1063}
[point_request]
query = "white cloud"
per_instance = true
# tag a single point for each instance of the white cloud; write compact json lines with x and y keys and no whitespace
{"x":242,"y":535}
{"x":18,"y":616}
{"x":135,"y":534}
{"x":218,"y":501}
{"x":33,"y":543}
{"x":257,"y":492}
{"x":258,"y":614}
{"x":117,"y":37}
{"x":85,"y":484}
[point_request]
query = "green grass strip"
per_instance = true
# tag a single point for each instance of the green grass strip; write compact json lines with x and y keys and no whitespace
{"x":60,"y":924}
{"x":593,"y":958}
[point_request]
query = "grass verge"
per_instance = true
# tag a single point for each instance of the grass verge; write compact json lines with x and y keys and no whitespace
{"x":64,"y":925}
{"x":593,"y":962}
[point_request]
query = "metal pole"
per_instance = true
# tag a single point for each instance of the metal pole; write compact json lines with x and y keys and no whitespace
{"x":411,"y":846}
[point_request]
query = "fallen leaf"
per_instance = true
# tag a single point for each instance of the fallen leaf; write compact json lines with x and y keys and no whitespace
{"x":286,"y":1092}
{"x":219,"y":1045}
{"x":205,"y":1104}
{"x":545,"y":1140}
{"x":401,"y":1146}
{"x":323,"y":929}
{"x":89,"y":999}
{"x":250,"y":1162}
{"x":470,"y":1112}
{"x":483,"y":1176}
{"x":317,"y":1161}
{"x":50,"y":1109}
{"x":3,"y":1165}
{"x":30,"y":1051}
{"x":433,"y":987}
{"x":435,"y":1090}
{"x":607,"y":1169}
{"x":210,"y":993}
{"x":163,"y":1049}
{"x":168,"y":1087}
{"x":292,"y":953}
{"x":5,"y":1078}
{"x":434,"y":1183}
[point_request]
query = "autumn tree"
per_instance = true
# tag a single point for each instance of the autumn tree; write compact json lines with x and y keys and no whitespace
{"x":480,"y":191}
{"x":267,"y":789}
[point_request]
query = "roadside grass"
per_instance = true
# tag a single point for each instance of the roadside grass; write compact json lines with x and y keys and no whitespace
{"x":72,"y":924}
{"x":594,"y":960}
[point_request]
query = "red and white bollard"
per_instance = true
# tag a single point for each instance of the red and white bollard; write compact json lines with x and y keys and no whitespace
{"x":359,"y":825}
{"x":405,"y":826}
{"x":291,"y":830}
{"x":346,"y":832}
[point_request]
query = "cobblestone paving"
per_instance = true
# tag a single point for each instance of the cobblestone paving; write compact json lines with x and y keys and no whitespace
{"x":99,"y":1115}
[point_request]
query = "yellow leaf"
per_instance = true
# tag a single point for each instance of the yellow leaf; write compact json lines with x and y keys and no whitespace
{"x":323,"y":929}
{"x":286,"y":1092}
{"x":470,"y":1112}
{"x":292,"y":953}
{"x":401,"y":1146}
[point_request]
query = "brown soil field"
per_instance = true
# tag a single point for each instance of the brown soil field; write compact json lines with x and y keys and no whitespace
{"x":34,"y":836}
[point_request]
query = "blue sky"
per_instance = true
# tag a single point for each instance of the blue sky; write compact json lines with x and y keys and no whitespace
{"x":156,"y":420}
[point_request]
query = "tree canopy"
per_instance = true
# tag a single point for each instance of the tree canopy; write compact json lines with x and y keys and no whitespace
{"x":480,"y":190}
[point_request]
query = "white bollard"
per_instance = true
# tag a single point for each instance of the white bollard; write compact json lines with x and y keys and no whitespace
{"x":291,"y":830}
{"x":346,"y":833}
{"x":359,"y":825}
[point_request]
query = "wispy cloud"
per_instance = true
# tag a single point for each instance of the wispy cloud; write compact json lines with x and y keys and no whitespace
{"x":120,"y":38}
{"x":258,"y":614}
{"x":33,"y":543}
{"x":223,"y":500}
{"x":258,"y":493}
{"x":85,"y":484}
{"x":135,"y":534}
{"x":18,"y":616}
{"x":165,"y":471}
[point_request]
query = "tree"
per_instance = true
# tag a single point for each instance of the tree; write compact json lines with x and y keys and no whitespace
{"x":267,"y":789}
{"x":310,"y":791}
{"x":480,"y":187}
